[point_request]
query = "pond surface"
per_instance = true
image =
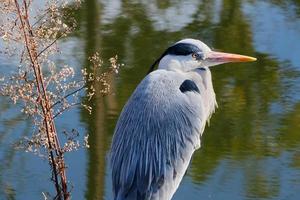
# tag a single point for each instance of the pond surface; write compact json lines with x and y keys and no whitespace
{"x":251,"y":150}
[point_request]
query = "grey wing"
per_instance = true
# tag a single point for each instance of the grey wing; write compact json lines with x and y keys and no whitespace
{"x":156,"y":134}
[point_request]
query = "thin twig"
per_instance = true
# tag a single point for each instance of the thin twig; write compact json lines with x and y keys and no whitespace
{"x":48,"y":46}
{"x":42,"y":17}
{"x":74,"y":92}
{"x":64,"y":109}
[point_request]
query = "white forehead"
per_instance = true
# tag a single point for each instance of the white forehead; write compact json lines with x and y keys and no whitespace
{"x":197,"y":43}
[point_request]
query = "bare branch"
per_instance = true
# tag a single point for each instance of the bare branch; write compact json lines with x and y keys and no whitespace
{"x":64,"y":109}
{"x":70,"y":94}
{"x":48,"y":46}
{"x":42,"y":17}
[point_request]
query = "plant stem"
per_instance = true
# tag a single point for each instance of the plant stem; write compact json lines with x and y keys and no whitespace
{"x":56,"y":155}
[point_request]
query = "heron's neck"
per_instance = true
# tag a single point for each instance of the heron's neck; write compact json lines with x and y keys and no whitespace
{"x":203,"y":79}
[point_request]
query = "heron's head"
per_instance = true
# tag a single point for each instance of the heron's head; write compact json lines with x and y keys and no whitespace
{"x":190,"y":54}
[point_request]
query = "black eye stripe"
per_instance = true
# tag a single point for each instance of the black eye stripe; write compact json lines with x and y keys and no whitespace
{"x":182,"y":49}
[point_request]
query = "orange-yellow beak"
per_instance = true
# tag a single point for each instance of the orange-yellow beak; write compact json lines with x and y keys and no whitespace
{"x":219,"y":57}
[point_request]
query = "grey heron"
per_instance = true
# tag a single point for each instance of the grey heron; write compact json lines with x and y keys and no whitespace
{"x":161,"y":125}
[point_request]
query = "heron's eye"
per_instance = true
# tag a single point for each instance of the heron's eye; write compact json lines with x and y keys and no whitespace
{"x":197,"y":56}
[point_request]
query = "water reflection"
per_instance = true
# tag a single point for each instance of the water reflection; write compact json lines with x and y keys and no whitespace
{"x":97,"y":122}
{"x":244,"y":129}
{"x":251,"y":148}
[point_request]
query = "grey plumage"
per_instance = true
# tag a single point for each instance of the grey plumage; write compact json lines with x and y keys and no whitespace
{"x":161,"y":124}
{"x":156,"y":136}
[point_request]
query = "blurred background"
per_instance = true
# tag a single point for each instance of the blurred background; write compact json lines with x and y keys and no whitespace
{"x":250,"y":150}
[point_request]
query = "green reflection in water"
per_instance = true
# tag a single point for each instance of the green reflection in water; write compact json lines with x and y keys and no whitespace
{"x":254,"y":135}
{"x":96,"y":125}
{"x":243,"y":130}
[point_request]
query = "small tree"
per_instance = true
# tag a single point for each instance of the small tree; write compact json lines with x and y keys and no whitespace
{"x":44,"y":89}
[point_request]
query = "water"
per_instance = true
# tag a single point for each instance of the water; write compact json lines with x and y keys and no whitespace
{"x":251,"y":148}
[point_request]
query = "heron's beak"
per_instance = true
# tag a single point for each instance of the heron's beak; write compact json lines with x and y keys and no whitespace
{"x":219,"y":57}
